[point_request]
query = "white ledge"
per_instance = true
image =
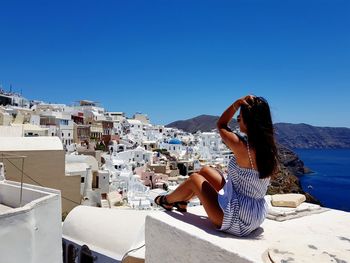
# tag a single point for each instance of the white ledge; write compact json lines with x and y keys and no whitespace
{"x":190,"y":237}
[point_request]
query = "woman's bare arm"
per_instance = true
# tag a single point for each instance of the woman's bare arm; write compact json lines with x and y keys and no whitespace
{"x":229,"y":138}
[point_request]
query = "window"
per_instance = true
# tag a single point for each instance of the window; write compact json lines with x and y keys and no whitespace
{"x":62,"y":134}
{"x":82,"y":180}
{"x":72,"y":254}
{"x":63,"y":122}
{"x":52,"y":134}
{"x":68,"y":134}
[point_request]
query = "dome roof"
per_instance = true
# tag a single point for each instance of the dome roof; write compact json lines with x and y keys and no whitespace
{"x":175,"y":141}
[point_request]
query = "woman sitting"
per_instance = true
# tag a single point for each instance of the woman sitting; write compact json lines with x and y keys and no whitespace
{"x":236,"y":204}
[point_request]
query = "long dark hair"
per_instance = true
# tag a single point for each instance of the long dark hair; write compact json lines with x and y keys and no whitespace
{"x":257,"y":118}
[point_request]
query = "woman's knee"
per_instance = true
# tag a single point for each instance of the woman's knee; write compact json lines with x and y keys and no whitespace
{"x":196,"y":176}
{"x":205,"y":169}
{"x":197,"y":179}
{"x":213,"y":176}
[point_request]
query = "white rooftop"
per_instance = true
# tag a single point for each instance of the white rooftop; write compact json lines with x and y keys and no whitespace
{"x":111,"y":232}
{"x":31,"y":127}
{"x":135,"y":122}
{"x":75,"y":168}
{"x":190,"y":237}
{"x":41,"y":143}
{"x":76,"y":162}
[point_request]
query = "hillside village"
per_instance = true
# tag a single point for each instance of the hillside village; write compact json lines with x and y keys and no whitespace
{"x":107,"y":169}
{"x":108,"y":158}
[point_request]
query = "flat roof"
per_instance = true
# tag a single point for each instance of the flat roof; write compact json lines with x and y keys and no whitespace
{"x":133,"y":121}
{"x":30,"y":127}
{"x":40,"y":143}
{"x":322,"y":237}
{"x":75,"y":168}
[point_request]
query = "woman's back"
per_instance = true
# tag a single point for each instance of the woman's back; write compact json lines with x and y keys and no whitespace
{"x":246,"y":181}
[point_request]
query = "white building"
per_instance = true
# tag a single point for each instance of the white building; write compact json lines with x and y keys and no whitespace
{"x":115,"y":116}
{"x":118,"y":128}
{"x":30,"y":231}
{"x":65,"y":130}
{"x":153,"y":133}
{"x":118,"y":118}
{"x":141,"y":117}
{"x":5,"y":118}
{"x":29,"y":130}
{"x":136,"y":157}
{"x":58,"y":119}
{"x":211,"y":140}
{"x":174,"y":146}
{"x":91,"y":111}
{"x":13,"y":99}
{"x":136,"y":126}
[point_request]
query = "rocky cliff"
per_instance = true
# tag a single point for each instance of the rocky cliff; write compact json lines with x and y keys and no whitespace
{"x":311,"y":137}
{"x":286,"y":180}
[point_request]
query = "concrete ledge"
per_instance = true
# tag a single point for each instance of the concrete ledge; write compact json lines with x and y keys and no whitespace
{"x":190,"y":237}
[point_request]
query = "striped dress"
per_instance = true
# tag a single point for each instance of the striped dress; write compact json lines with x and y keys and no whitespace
{"x":242,"y":200}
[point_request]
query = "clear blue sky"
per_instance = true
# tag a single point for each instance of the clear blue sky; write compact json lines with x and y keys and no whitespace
{"x":177,"y":59}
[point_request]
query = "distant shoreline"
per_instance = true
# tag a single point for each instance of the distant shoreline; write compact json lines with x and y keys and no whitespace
{"x":293,"y":136}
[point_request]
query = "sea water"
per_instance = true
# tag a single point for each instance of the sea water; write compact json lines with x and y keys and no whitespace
{"x":330,"y":182}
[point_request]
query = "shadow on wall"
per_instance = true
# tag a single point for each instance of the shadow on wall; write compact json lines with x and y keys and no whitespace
{"x":204,"y":223}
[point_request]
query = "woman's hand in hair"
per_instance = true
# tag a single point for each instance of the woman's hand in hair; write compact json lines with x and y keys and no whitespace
{"x":244,"y":101}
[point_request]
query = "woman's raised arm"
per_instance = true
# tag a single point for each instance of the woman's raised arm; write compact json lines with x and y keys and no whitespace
{"x":229,"y":138}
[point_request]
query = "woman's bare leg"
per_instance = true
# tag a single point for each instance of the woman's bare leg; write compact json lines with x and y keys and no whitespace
{"x":198,"y":185}
{"x":213,"y":177}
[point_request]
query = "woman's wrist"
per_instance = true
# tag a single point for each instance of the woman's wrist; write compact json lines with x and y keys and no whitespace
{"x":235,"y":106}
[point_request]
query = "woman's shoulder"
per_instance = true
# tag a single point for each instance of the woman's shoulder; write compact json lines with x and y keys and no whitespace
{"x":241,"y":135}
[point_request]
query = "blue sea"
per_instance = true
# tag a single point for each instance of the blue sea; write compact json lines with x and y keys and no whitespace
{"x":330,"y":182}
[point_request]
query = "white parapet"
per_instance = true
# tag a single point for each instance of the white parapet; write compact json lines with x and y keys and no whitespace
{"x":190,"y":237}
{"x":108,"y":233}
{"x":30,"y":233}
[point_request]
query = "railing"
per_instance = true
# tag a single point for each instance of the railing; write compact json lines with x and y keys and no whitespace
{"x":9,"y":157}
